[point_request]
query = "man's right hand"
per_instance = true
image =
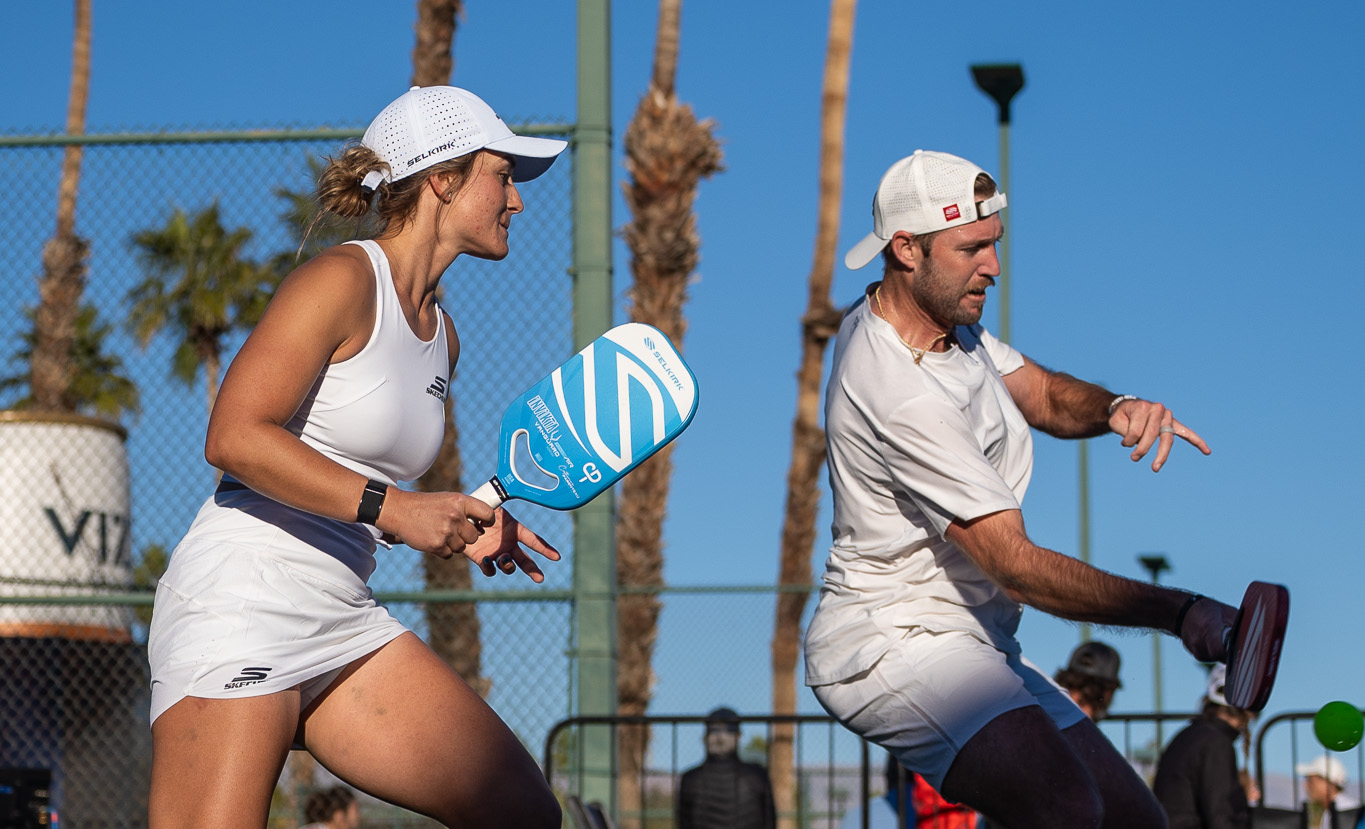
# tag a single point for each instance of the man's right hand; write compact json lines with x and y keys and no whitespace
{"x":1204,"y":628}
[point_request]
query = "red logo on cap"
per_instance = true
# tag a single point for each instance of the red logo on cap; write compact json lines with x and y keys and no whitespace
{"x":951,"y":212}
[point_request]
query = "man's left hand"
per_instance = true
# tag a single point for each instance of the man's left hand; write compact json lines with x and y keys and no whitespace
{"x":1144,"y":424}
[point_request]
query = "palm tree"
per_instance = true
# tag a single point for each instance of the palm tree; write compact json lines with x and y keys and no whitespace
{"x":151,"y":566}
{"x":200,"y":285}
{"x":63,"y":279}
{"x":818,"y":326}
{"x":668,"y":153}
{"x":433,"y":60}
{"x":311,"y":228}
{"x":453,"y":629}
{"x":96,"y":385}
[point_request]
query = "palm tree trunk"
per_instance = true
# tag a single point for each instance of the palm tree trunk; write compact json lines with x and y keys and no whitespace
{"x":432,"y":57}
{"x":668,"y":152}
{"x":639,"y":530}
{"x":212,"y":366}
{"x":452,"y":627}
{"x":818,"y":327}
{"x":63,"y":279}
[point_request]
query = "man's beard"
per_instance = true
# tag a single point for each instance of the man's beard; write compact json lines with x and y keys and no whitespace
{"x":941,"y":300}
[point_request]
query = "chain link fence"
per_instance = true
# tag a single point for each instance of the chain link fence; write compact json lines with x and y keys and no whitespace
{"x":91,"y":507}
{"x":1286,"y":745}
{"x":835,"y":771}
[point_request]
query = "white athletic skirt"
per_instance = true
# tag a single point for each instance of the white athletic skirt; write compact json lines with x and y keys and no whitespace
{"x":246,"y":609}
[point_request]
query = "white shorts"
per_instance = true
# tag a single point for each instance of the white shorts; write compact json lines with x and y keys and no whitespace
{"x":232,"y":620}
{"x":932,"y":692}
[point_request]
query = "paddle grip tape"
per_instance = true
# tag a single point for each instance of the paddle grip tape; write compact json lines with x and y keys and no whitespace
{"x":1184,"y":608}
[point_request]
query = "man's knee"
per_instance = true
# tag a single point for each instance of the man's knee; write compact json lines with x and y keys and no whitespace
{"x":1070,"y":803}
{"x":1082,"y":807}
{"x":1021,"y":772}
{"x":1128,"y":801}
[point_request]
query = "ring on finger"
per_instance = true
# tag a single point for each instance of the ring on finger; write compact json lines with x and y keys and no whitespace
{"x":1167,"y":430}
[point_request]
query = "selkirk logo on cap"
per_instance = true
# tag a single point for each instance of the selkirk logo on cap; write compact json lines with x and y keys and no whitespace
{"x":951,"y":213}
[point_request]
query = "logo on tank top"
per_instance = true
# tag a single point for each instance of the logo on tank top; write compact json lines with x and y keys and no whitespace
{"x":437,"y":389}
{"x":248,"y":676}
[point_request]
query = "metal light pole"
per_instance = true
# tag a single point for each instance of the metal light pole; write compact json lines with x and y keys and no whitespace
{"x":1001,"y":81}
{"x":1156,"y":564}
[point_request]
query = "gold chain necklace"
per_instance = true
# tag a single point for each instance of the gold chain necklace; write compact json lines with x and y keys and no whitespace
{"x":917,"y":353}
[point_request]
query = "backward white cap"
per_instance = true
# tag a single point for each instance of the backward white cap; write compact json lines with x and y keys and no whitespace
{"x":1327,"y":767}
{"x":431,"y":124}
{"x":1218,"y":679}
{"x":923,"y":193}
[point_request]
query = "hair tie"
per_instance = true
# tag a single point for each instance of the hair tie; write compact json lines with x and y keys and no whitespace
{"x":371,"y":181}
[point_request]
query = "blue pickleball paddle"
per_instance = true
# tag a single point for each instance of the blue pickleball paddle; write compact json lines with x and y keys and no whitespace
{"x":581,"y":428}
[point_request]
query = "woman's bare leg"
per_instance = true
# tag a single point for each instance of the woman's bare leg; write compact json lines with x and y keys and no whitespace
{"x":402,"y":726}
{"x":215,"y":762}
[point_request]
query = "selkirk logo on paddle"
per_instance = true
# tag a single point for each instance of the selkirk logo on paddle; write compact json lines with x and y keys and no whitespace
{"x":247,"y":676}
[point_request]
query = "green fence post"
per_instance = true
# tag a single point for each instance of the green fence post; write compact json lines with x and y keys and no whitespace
{"x":594,"y":548}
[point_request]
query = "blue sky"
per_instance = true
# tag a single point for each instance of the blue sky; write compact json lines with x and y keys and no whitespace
{"x":1183,"y":179}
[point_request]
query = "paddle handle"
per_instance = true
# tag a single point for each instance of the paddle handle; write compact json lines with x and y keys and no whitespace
{"x":488,"y":494}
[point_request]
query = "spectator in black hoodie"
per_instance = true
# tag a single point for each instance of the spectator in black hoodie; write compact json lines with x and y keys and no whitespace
{"x":725,"y":792}
{"x":1196,"y":779}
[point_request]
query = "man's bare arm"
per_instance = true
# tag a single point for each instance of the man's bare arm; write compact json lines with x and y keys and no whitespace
{"x":1065,"y":407}
{"x":1065,"y":587}
{"x":1059,"y":404}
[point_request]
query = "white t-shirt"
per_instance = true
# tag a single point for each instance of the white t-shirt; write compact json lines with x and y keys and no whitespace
{"x":911,"y":449}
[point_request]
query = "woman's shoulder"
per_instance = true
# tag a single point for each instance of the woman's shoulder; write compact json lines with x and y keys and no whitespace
{"x":336,"y":288}
{"x":343,"y":261}
{"x":344,"y":271}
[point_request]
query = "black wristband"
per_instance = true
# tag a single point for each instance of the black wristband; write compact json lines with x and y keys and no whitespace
{"x":371,"y":502}
{"x":1184,"y":608}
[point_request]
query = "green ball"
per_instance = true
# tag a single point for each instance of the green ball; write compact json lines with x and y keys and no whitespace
{"x":1338,"y":725}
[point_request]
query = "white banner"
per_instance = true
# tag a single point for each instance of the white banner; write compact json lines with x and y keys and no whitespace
{"x":63,"y":524}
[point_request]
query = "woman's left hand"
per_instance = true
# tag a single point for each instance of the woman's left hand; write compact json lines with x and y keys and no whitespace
{"x":503,"y":547}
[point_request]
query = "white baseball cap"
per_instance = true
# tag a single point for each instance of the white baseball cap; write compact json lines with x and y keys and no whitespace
{"x":1327,"y":767}
{"x":923,"y":193}
{"x":431,"y":124}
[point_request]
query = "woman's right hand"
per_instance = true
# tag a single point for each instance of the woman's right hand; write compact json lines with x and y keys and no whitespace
{"x":439,"y":523}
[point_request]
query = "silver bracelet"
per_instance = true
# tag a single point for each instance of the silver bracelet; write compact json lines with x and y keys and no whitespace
{"x":1114,"y":404}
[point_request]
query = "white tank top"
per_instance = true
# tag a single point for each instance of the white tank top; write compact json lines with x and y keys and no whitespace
{"x":382,"y":412}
